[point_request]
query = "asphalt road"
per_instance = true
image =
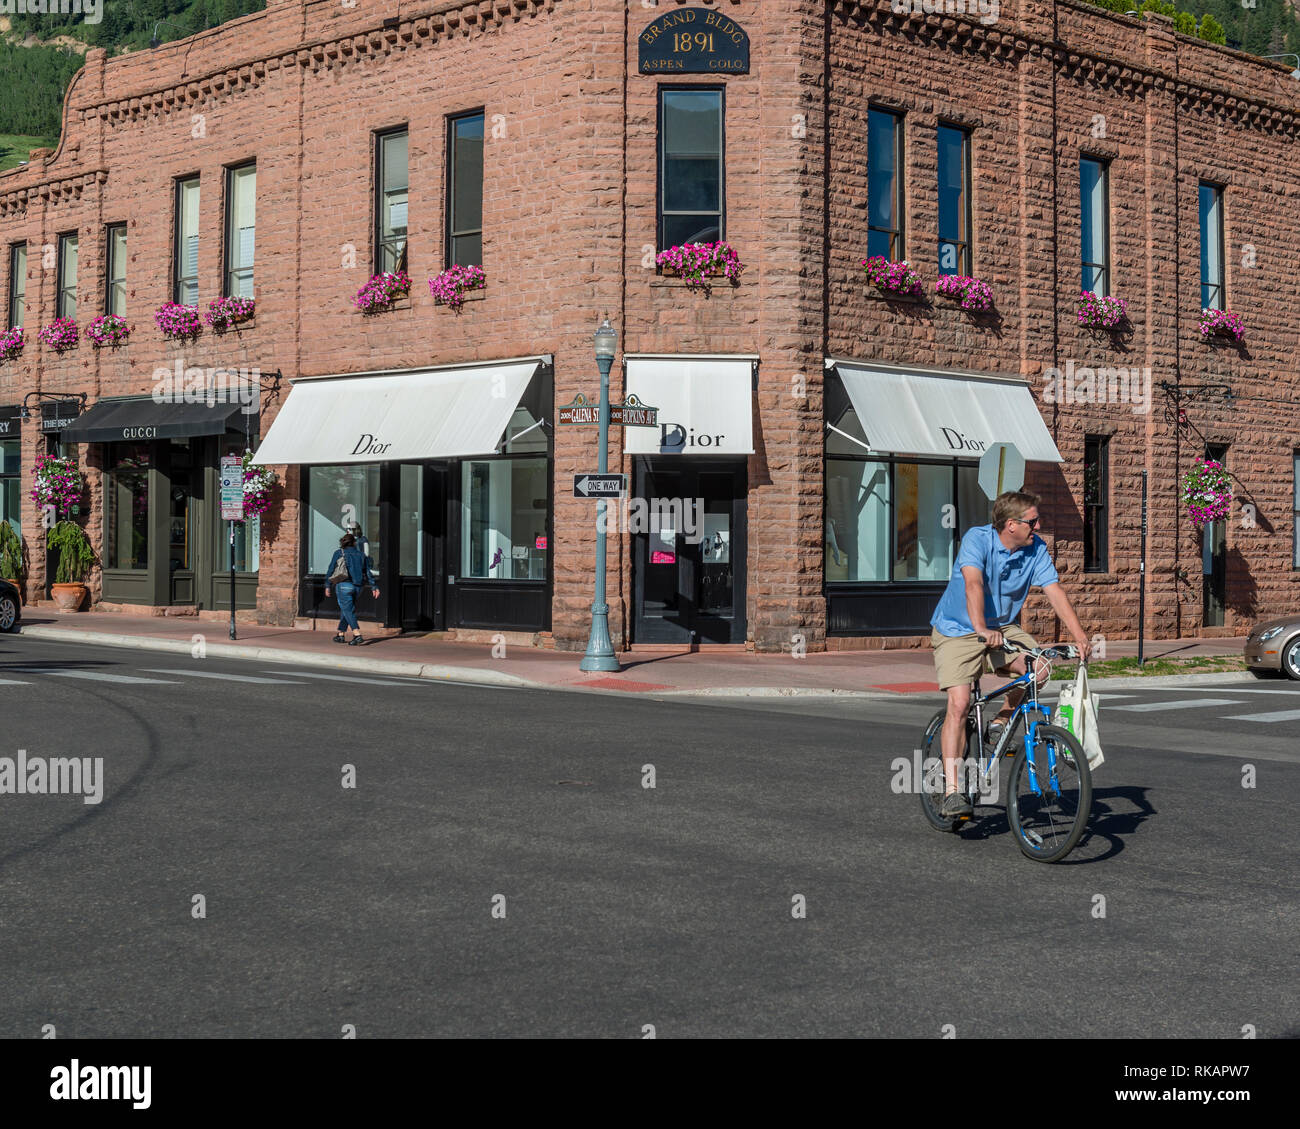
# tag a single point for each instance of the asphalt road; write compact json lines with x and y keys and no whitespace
{"x":501,"y":869}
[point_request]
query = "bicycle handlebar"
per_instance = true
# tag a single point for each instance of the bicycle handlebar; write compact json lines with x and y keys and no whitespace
{"x":1065,"y":651}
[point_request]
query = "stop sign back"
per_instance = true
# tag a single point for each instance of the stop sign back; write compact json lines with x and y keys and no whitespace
{"x":1002,"y":468}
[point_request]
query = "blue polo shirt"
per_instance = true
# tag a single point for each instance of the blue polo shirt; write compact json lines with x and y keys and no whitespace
{"x":1007,"y":579}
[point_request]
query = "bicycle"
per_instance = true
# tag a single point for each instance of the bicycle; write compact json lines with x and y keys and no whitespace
{"x":1049,"y":792}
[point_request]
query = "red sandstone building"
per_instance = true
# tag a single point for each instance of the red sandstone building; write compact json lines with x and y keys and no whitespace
{"x":817,"y":439}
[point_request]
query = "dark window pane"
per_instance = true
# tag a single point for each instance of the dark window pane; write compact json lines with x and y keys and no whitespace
{"x":880,"y":243}
{"x":690,"y":229}
{"x":467,"y":250}
{"x":691,"y":184}
{"x":467,"y":175}
{"x":952,"y":184}
{"x":692,"y":123}
{"x":882,"y":169}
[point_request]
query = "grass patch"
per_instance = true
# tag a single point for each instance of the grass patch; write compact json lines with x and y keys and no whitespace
{"x":14,"y":147}
{"x":1192,"y":664}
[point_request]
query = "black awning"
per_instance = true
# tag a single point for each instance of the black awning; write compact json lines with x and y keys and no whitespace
{"x":116,"y":421}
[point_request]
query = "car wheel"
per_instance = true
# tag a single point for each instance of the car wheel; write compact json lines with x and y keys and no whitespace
{"x":1291,"y":660}
{"x":8,"y":613}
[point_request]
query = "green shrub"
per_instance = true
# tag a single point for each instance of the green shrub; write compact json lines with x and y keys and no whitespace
{"x":75,"y":554}
{"x":1211,"y":30}
{"x":11,"y":553}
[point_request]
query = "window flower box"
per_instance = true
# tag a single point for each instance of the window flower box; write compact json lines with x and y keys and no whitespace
{"x":226,"y":312}
{"x":107,"y":329}
{"x":450,"y":286}
{"x":382,"y":291}
{"x":1222,"y":325}
{"x":180,"y":323}
{"x":1102,"y":313}
{"x":1206,"y":492}
{"x":60,"y":335}
{"x":973,"y":295}
{"x":696,"y":263}
{"x":11,"y":343}
{"x":894,"y":279}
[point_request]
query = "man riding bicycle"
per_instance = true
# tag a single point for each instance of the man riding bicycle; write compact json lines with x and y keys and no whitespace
{"x":996,"y":566}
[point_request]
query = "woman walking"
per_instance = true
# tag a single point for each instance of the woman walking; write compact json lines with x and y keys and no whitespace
{"x":349,"y":571}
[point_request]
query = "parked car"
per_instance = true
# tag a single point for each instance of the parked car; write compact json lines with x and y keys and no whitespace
{"x":11,"y":607}
{"x":1273,"y":646}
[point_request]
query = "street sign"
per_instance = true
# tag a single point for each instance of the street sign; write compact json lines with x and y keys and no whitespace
{"x":631,"y":413}
{"x":599,"y":485}
{"x":232,"y":488}
{"x":1001,"y":469}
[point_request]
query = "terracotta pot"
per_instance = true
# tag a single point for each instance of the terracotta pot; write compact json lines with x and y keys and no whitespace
{"x":68,"y":597}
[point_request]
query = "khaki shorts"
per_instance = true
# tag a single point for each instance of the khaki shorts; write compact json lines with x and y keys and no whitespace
{"x":960,"y":659}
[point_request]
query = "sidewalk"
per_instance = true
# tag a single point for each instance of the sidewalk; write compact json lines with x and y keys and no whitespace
{"x":855,"y":673}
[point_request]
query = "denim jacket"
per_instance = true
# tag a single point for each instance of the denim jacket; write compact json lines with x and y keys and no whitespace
{"x":358,"y":567}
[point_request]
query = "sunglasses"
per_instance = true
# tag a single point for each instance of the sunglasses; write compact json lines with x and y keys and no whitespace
{"x":1035,"y":524}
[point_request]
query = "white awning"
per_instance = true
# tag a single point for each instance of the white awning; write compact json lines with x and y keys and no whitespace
{"x":421,"y":414}
{"x":961,"y":415}
{"x":706,"y":405}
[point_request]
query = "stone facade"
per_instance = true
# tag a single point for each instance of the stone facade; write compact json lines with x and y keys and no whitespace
{"x":570,"y":229}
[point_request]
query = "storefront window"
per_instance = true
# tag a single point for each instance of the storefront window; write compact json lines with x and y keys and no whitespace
{"x":337,"y":495}
{"x":126,"y":506}
{"x":10,"y":483}
{"x":894,"y":519}
{"x":504,"y":506}
{"x":410,"y":545}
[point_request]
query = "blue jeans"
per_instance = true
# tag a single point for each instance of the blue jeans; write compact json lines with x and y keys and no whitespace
{"x":346,"y":592}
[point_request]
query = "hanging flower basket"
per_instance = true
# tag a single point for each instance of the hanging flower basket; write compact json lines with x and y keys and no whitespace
{"x":60,"y":334}
{"x":108,"y":329}
{"x":1206,"y":492}
{"x":258,"y":483}
{"x":449,"y":287}
{"x":382,"y":291}
{"x":1222,"y":324}
{"x":893,"y":279}
{"x":57,"y":482}
{"x":178,"y":322}
{"x":1102,"y":313}
{"x":974,"y":296}
{"x":225,"y":312}
{"x":696,"y":263}
{"x":11,"y":343}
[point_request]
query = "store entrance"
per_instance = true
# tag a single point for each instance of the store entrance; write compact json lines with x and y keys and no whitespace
{"x":688,"y":526}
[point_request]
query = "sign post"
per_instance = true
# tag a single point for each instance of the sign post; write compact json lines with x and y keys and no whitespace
{"x":232,"y":510}
{"x":1142,"y":575}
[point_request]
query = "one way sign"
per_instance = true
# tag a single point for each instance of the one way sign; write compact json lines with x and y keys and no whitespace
{"x":599,"y":485}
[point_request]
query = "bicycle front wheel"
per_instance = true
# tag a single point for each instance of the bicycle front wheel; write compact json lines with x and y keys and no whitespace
{"x":1048,"y":802}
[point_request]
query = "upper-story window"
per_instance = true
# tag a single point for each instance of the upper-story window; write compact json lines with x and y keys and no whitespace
{"x":185,"y":288}
{"x":691,"y":189}
{"x":241,"y":215}
{"x":465,"y":190}
{"x":1094,"y":226}
{"x":954,"y":200}
{"x":1211,"y":201}
{"x":17,"y":283}
{"x":391,"y":185}
{"x":115,"y":275}
{"x":1096,"y":499}
{"x":67,"y":285}
{"x":885,"y":184}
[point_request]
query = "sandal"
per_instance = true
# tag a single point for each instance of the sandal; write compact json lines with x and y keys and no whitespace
{"x":340,"y":638}
{"x":356,"y":641}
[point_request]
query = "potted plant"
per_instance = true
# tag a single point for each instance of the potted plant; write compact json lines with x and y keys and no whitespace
{"x":974,"y":295}
{"x":893,"y":279}
{"x":108,"y":329}
{"x":60,"y":334}
{"x":1102,"y":312}
{"x":11,"y":343}
{"x":698,"y":262}
{"x":450,"y":286}
{"x":1206,"y":492}
{"x":178,"y":322}
{"x":225,"y":312}
{"x":1223,"y":325}
{"x":75,"y":560}
{"x":382,"y":291}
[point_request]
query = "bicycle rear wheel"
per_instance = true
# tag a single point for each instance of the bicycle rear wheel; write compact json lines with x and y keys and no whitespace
{"x":932,"y":782}
{"x":1047,"y":823}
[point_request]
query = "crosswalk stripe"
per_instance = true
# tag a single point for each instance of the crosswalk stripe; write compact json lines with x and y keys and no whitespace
{"x":1179,"y":704}
{"x":100,"y":676}
{"x":12,"y":682}
{"x":1279,"y":715}
{"x":225,"y":677}
{"x":348,"y":678}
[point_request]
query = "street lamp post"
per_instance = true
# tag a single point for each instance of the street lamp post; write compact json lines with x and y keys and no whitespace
{"x":600,"y":649}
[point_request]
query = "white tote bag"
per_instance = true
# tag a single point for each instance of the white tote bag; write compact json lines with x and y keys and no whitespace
{"x":1076,"y":711}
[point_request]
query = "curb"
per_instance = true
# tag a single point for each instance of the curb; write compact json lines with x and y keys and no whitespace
{"x":437,"y":672}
